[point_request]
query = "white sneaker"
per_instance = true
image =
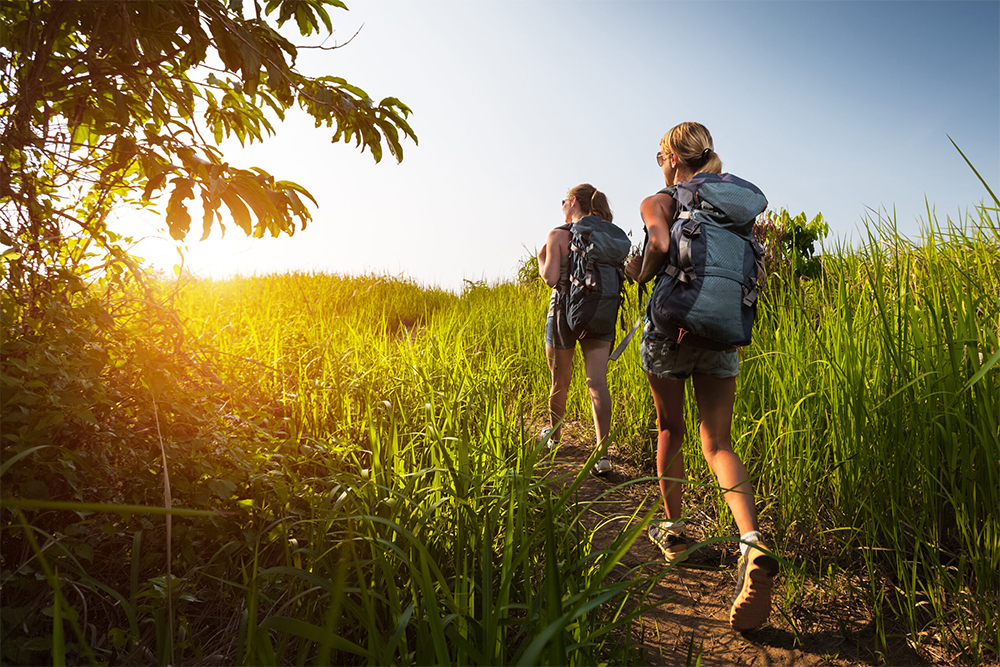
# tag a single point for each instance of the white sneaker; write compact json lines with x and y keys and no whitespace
{"x":545,"y":435}
{"x":602,"y":467}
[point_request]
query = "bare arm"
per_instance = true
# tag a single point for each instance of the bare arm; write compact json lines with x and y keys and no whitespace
{"x":658,"y":215}
{"x":551,"y":254}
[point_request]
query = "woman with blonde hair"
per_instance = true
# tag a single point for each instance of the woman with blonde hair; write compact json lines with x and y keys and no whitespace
{"x":584,"y":207}
{"x":687,"y":150}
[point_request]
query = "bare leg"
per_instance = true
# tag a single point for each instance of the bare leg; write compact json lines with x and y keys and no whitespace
{"x":668,"y":398}
{"x":595,"y":361}
{"x":561,"y":367}
{"x":716,"y":397}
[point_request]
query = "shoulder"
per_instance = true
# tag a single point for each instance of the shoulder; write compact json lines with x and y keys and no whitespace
{"x":658,"y":197}
{"x":559,"y":236}
{"x":658,"y":203}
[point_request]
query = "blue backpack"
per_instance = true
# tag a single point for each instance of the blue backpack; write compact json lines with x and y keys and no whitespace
{"x":706,"y":294}
{"x":596,"y":274}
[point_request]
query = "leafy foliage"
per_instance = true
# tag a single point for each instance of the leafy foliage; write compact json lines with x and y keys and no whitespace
{"x":125,"y":103}
{"x":527,"y":270}
{"x":790,"y":243}
{"x":355,"y":476}
{"x":117,"y":101}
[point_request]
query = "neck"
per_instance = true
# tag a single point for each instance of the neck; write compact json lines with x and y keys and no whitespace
{"x":682,"y":175}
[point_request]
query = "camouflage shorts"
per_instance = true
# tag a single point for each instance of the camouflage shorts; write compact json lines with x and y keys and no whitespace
{"x":663,"y":357}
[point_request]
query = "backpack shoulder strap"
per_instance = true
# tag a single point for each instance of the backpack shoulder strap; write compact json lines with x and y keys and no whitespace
{"x":690,"y":230}
{"x":685,"y":194}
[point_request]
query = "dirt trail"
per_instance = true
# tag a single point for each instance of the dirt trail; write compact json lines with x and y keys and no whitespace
{"x":695,"y":597}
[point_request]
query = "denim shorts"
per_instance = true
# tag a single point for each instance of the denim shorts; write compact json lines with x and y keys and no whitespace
{"x":558,"y":333}
{"x":662,"y":356}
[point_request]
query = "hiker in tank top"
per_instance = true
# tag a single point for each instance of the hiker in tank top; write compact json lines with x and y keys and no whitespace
{"x":560,"y":338}
{"x":686,"y":150}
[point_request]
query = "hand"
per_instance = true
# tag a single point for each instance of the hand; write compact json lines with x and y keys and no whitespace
{"x":634,"y":267}
{"x":651,"y":261}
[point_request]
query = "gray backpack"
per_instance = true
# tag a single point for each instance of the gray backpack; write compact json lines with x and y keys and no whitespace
{"x":597,"y":255}
{"x":706,"y":295}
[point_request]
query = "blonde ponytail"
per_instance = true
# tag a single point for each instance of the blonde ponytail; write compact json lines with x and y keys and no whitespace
{"x":692,"y":144}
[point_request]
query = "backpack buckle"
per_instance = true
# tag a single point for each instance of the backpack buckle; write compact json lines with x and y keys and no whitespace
{"x":691,"y":228}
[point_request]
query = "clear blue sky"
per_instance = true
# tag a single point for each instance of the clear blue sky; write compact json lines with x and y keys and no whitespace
{"x":832,"y":107}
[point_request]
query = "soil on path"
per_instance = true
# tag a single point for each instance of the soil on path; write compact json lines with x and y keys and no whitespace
{"x":819,"y":628}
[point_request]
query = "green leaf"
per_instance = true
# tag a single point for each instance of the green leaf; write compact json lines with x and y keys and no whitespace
{"x":84,"y":551}
{"x":304,"y":19}
{"x":253,"y":194}
{"x":239,"y":211}
{"x":36,"y":504}
{"x":209,"y":206}
{"x":178,"y":218}
{"x":17,"y":457}
{"x":313,"y":633}
{"x":990,"y":363}
{"x":250,"y":49}
{"x":289,"y":185}
{"x":222,"y":488}
{"x":154,"y":183}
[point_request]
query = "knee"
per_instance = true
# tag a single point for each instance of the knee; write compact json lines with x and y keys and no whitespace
{"x":597,"y":386}
{"x":670,"y":422}
{"x":712,"y":447}
{"x":672,"y":432}
{"x":561,"y":378}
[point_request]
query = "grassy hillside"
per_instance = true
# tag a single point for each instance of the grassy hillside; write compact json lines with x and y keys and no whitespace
{"x":354,"y":477}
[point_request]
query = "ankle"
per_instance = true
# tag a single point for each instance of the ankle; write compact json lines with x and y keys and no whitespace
{"x":748,"y":538}
{"x":675,"y":526}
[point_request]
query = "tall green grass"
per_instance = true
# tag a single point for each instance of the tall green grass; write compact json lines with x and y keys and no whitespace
{"x":879,"y":407}
{"x":446,"y":544}
{"x":868,"y":412}
{"x":384,"y":500}
{"x":371,"y":444}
